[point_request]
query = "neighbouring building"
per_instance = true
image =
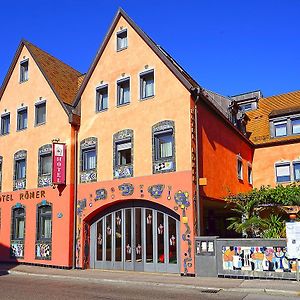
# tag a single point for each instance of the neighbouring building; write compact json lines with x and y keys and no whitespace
{"x":275,"y":129}
{"x":35,"y":105}
{"x":150,"y":156}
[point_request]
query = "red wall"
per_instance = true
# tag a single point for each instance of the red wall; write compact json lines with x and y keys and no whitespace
{"x":219,"y":145}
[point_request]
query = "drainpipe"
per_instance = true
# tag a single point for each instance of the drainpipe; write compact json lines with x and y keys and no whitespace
{"x":196,"y":93}
{"x":74,"y":120}
{"x":75,"y":197}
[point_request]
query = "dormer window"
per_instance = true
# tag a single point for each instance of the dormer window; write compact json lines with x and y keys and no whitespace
{"x":122,"y":40}
{"x":24,"y":71}
{"x":280,"y":128}
{"x":295,"y":125}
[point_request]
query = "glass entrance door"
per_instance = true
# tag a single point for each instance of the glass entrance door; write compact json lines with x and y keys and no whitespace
{"x":136,"y":238}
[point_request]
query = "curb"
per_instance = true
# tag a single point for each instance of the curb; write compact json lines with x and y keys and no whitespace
{"x":168,"y":285}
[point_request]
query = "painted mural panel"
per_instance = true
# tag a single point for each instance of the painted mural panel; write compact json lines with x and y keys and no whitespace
{"x":257,"y":259}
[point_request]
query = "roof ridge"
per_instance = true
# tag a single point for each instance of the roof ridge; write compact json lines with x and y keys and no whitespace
{"x":27,"y":43}
{"x":279,"y":95}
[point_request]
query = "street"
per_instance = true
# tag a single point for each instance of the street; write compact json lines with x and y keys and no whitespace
{"x":24,"y":286}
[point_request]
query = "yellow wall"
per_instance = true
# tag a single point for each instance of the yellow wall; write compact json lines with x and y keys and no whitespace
{"x":33,"y":137}
{"x":171,"y":102}
{"x":265,"y":159}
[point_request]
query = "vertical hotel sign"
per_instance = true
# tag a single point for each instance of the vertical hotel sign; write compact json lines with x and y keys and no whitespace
{"x":59,"y":163}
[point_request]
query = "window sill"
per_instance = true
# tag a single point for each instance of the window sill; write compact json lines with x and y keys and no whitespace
{"x":102,"y":110}
{"x":147,"y":98}
{"x":125,"y":104}
{"x":39,"y":124}
{"x":4,"y":134}
{"x":121,"y":49}
{"x":22,"y":129}
{"x":20,"y":82}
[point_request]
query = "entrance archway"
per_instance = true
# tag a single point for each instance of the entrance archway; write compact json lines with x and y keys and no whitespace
{"x":135,"y":235}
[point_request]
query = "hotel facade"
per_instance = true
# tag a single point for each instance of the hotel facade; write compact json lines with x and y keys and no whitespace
{"x":149,"y":157}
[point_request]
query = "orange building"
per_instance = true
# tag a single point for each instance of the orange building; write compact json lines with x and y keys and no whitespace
{"x":143,"y":120}
{"x":35,"y":107}
{"x":150,"y":157}
{"x":275,"y":129}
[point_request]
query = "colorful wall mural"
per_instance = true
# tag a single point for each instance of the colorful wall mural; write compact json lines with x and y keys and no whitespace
{"x":257,"y":259}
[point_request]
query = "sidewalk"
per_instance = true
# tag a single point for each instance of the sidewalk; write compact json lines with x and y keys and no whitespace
{"x":275,"y":287}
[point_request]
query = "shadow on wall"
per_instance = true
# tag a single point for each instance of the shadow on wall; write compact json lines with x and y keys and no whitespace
{"x":5,"y":266}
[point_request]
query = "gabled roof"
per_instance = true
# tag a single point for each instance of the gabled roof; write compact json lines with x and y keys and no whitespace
{"x":271,"y":107}
{"x":63,"y":79}
{"x":174,"y":67}
{"x":188,"y":82}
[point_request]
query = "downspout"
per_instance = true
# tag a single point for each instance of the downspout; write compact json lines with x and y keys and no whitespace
{"x":74,"y":120}
{"x":196,"y":93}
{"x":75,"y":197}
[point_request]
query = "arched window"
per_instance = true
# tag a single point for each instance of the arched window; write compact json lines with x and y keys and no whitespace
{"x":45,"y":165}
{"x":163,"y":147}
{"x":44,"y":231}
{"x":17,"y":231}
{"x":20,"y":158}
{"x":123,"y":154}
{"x":88,"y":160}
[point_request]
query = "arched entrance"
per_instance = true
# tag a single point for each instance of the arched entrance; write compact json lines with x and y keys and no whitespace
{"x":135,"y":235}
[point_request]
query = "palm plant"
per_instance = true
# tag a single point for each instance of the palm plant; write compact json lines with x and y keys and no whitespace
{"x":247,"y":220}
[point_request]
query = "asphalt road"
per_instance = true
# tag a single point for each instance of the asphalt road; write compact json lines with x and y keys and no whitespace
{"x":19,"y":286}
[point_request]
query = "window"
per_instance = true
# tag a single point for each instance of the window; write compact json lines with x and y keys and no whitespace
{"x":280,"y":128}
{"x":123,"y":153}
{"x":250,"y":180}
{"x":88,"y":159}
{"x":5,"y":124}
{"x":163,"y":144}
{"x":40,"y":113}
{"x":44,"y":230}
{"x":20,"y":169}
{"x":102,"y":98}
{"x":296,"y":166}
{"x":240,"y":168}
{"x":246,"y":107}
{"x":147,"y":84}
{"x":24,"y":71}
{"x":45,"y":164}
{"x":163,"y":147}
{"x":122,"y":40}
{"x":22,"y":119}
{"x":123,"y":91}
{"x":295,"y":126}
{"x":18,"y":225}
{"x":283,"y":173}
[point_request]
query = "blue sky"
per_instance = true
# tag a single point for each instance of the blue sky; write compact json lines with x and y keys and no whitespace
{"x":229,"y":47}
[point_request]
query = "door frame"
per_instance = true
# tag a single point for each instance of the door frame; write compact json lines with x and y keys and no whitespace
{"x":133,"y":265}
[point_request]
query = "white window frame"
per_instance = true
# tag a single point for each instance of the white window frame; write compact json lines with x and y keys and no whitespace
{"x":117,"y":34}
{"x":140,"y":75}
{"x":282,"y":164}
{"x":42,"y":102}
{"x":120,"y":80}
{"x":19,"y":110}
{"x":97,"y":92}
{"x":239,"y":172}
{"x":7,"y":114}
{"x":21,"y":79}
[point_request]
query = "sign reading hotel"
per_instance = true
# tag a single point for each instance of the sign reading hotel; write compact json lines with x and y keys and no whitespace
{"x":59,"y":163}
